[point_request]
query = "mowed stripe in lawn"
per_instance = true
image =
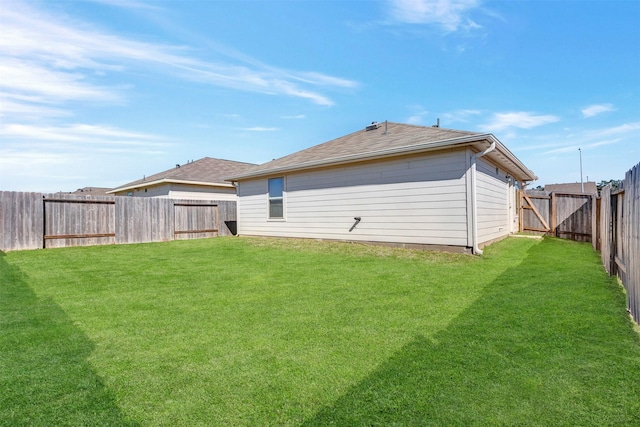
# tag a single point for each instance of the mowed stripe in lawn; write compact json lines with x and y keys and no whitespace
{"x":283,"y":332}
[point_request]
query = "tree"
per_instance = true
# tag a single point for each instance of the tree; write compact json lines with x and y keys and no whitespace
{"x":615,"y":184}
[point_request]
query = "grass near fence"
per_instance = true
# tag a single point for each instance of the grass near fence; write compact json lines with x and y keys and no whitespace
{"x":235,"y":331}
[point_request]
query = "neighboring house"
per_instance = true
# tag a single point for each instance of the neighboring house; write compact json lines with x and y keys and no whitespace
{"x":200,"y":180}
{"x":590,"y":187}
{"x":88,"y":191}
{"x":389,"y":183}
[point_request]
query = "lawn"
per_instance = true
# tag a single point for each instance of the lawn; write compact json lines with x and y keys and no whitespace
{"x":258,"y":332}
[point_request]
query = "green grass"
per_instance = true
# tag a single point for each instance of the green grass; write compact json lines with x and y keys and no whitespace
{"x":237,"y":331}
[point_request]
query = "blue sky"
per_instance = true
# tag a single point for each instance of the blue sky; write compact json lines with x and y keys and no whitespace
{"x":100,"y":93}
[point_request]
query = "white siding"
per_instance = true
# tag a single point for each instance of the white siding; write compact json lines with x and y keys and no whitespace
{"x":183,"y":191}
{"x":419,"y":200}
{"x":197,"y":192}
{"x":492,"y":192}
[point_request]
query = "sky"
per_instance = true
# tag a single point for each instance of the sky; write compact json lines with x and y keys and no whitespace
{"x":100,"y":93}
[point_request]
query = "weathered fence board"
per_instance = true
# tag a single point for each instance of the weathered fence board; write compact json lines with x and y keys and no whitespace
{"x":78,"y":221}
{"x":36,"y":220}
{"x":629,"y":239}
{"x":144,"y":219}
{"x":620,"y":236}
{"x":21,"y":231}
{"x":564,"y":215}
{"x":193,"y":220}
{"x":574,"y":216}
{"x":606,"y":229}
{"x":228,"y":219}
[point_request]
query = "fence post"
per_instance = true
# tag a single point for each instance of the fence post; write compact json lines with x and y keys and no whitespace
{"x":519,"y":209}
{"x":554,"y":216}
{"x":614,"y":235}
{"x":594,"y":222}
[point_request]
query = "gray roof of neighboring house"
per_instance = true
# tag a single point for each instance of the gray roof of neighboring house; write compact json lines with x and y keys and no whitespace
{"x":590,"y":187}
{"x":206,"y":171}
{"x":385,"y":140}
{"x":98,"y":191}
{"x":88,"y":191}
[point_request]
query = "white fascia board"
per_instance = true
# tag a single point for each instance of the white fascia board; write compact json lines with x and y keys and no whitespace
{"x":171,"y":181}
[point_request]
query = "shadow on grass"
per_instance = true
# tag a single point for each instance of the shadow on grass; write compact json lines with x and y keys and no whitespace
{"x":533,"y":350}
{"x":45,"y":378}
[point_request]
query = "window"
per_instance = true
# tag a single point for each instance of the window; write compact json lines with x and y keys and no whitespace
{"x":276,"y":198}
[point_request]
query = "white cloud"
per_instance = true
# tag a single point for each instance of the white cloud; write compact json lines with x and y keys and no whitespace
{"x":418,"y":115}
{"x":261,"y":129}
{"x":459,"y":116}
{"x":591,"y":138}
{"x":594,"y":110}
{"x":522,"y":120}
{"x":294,"y":117}
{"x":626,"y":128}
{"x":22,"y":79}
{"x":452,"y":15}
{"x":575,"y":147}
{"x":128,"y":4}
{"x":78,"y":133}
{"x":416,"y":119}
{"x":49,"y":157}
{"x":62,"y":55}
{"x":11,"y":107}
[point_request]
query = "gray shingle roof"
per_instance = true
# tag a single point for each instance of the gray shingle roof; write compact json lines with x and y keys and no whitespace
{"x":384,"y":139}
{"x":206,"y":170}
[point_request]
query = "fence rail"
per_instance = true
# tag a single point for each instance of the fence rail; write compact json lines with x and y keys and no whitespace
{"x":36,"y":220}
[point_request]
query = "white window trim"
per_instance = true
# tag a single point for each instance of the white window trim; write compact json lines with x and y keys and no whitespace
{"x":284,"y":201}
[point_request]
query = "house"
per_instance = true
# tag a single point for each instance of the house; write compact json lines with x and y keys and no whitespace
{"x":389,"y":183}
{"x":588,"y":187}
{"x":200,"y":180}
{"x":88,"y":191}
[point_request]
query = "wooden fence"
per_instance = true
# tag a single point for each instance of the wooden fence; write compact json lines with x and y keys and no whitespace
{"x":36,"y":220}
{"x":564,"y":215}
{"x":620,"y":236}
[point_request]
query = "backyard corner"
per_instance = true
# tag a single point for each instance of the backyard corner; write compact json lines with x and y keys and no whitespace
{"x":242,"y":331}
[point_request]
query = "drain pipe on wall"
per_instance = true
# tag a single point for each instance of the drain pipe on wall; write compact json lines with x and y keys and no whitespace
{"x":474,"y":204}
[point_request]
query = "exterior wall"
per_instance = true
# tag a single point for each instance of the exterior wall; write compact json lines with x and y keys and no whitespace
{"x":183,"y":191}
{"x":493,"y":193}
{"x":417,"y":200}
{"x":195,"y":192}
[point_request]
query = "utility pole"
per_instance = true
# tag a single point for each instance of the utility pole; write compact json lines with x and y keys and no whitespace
{"x":581,"y":183}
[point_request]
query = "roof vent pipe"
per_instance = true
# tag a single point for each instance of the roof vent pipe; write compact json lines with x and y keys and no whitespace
{"x":437,"y":125}
{"x":385,"y":132}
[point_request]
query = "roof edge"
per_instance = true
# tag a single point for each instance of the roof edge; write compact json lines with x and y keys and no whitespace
{"x":380,"y":154}
{"x":373,"y":155}
{"x":170,"y":181}
{"x":512,"y":157}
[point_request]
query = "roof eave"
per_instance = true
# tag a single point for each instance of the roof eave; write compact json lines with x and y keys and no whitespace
{"x":374,"y":155}
{"x":169,"y":181}
{"x":525,"y":174}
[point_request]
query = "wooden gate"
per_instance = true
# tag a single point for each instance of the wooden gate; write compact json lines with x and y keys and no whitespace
{"x":565,"y":215}
{"x":534,"y":213}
